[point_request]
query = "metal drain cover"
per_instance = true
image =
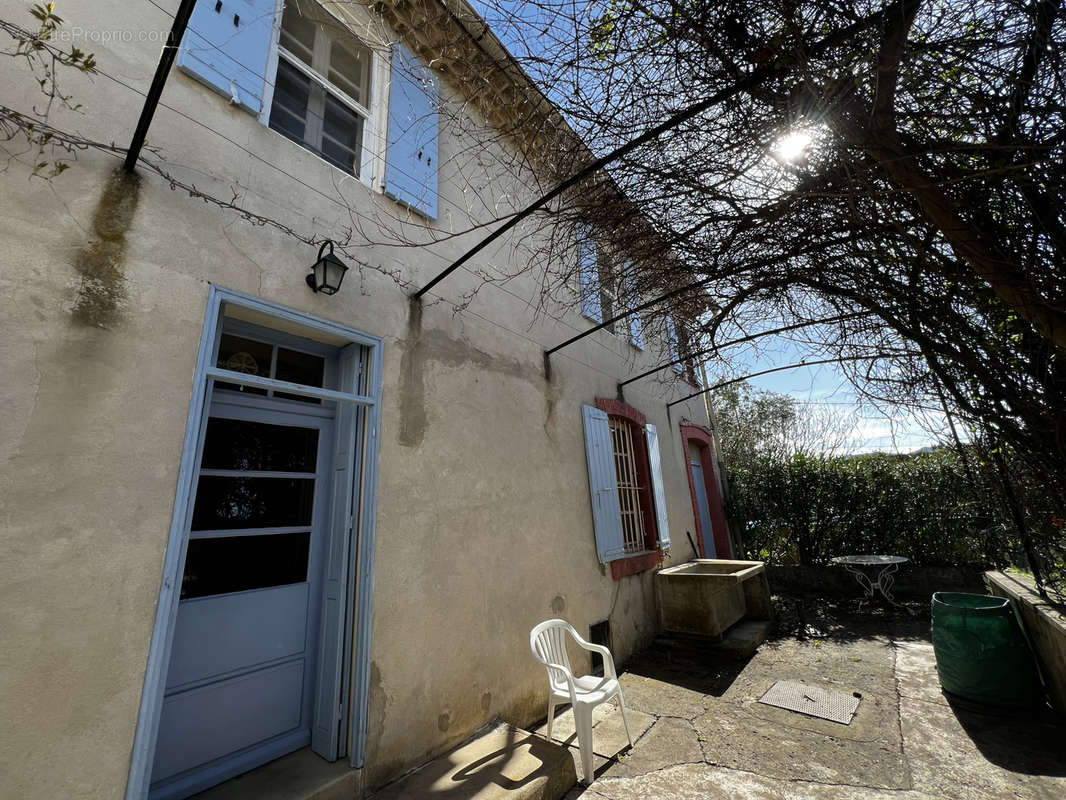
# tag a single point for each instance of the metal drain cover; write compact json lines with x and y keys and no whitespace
{"x":812,"y":701}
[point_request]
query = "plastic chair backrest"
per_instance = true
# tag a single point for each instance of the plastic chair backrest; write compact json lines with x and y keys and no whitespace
{"x":548,"y":642}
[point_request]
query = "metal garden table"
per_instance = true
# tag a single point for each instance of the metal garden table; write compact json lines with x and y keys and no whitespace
{"x":887,"y":566}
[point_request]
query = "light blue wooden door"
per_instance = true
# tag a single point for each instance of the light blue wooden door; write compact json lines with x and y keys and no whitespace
{"x":241,"y":681}
{"x":704,"y":507}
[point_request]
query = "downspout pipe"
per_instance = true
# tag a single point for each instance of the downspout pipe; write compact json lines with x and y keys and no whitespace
{"x":155,"y":91}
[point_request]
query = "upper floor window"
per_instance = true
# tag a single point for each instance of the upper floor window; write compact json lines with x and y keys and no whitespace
{"x":323,"y":89}
{"x":599,"y":295}
{"x":681,"y":351}
{"x":298,"y":68}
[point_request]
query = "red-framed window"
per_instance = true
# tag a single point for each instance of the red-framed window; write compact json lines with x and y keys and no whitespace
{"x":625,"y":476}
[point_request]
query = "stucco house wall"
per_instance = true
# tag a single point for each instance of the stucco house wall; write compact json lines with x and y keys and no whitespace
{"x":484,"y":520}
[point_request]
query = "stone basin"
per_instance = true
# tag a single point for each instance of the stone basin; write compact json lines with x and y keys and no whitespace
{"x":708,"y":595}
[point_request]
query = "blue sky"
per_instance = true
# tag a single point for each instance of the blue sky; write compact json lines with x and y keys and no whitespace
{"x":827,"y":391}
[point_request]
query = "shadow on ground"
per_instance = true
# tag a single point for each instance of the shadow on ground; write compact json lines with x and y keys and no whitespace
{"x":1030,"y":741}
{"x":687,"y":664}
{"x":813,"y":617}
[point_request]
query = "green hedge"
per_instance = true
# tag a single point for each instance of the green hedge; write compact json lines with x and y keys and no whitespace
{"x":806,"y":510}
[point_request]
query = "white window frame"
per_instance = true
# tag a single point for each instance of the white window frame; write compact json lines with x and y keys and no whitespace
{"x":375,"y":117}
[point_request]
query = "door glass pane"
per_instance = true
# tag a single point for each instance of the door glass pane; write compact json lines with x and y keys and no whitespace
{"x":239,"y":444}
{"x":238,"y":563}
{"x":299,"y":368}
{"x":244,"y":355}
{"x":227,"y":503}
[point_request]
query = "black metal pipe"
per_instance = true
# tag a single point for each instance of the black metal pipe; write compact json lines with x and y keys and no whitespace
{"x":787,"y":366}
{"x":151,"y":100}
{"x":749,"y":338}
{"x":628,"y":313}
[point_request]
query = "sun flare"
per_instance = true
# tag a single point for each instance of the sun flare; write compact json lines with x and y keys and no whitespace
{"x":793,"y":146}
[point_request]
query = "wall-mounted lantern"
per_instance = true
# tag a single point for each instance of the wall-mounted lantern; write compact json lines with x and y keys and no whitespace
{"x":328,"y":272}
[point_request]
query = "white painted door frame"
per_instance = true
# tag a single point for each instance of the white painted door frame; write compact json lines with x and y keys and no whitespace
{"x":361,"y":572}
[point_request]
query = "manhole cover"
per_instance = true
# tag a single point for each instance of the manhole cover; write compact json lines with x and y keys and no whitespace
{"x":812,"y":701}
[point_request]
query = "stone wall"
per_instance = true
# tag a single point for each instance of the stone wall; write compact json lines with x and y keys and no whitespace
{"x":1044,"y":625}
{"x":911,"y":582}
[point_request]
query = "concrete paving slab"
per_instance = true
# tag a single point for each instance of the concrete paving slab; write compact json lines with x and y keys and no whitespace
{"x":740,"y":733}
{"x":955,"y":753}
{"x":705,"y":782}
{"x":862,"y":665}
{"x":609,"y":735}
{"x":786,"y":745}
{"x":564,"y":729}
{"x":961,"y":749}
{"x":608,"y":731}
{"x":669,"y":742}
{"x":916,"y":673}
{"x":658,"y":698}
{"x":504,"y":762}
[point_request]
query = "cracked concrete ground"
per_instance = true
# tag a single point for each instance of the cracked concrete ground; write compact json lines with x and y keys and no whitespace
{"x":700,"y":732}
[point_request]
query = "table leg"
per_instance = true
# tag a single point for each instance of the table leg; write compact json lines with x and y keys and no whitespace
{"x":885,"y":581}
{"x":864,"y":581}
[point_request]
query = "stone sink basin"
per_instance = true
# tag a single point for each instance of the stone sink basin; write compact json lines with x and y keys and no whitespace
{"x":708,"y":595}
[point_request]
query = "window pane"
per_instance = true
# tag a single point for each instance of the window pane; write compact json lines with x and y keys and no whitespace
{"x":243,"y":355}
{"x":297,"y":33}
{"x":239,"y":444}
{"x":239,"y":563}
{"x":228,"y":503}
{"x":349,"y":69}
{"x":288,"y":113}
{"x":342,"y":136}
{"x":299,"y":368}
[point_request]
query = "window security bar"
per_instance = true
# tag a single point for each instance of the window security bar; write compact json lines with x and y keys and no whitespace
{"x":629,"y":489}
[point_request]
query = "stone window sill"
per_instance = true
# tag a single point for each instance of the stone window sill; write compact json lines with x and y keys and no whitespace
{"x":638,"y":562}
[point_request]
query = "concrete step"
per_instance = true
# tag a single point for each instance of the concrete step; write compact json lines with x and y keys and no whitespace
{"x":503,"y":762}
{"x":743,"y":639}
{"x":298,"y":776}
{"x":738,"y":642}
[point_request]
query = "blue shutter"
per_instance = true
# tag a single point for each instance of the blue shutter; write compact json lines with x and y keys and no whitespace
{"x":671,"y":337}
{"x":330,"y":710}
{"x":657,"y":488}
{"x":227,"y":46}
{"x":606,"y":513}
{"x":411,"y":155}
{"x":589,"y":267}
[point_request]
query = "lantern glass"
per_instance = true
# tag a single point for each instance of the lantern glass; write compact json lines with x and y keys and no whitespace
{"x":327,"y":274}
{"x":334,"y":274}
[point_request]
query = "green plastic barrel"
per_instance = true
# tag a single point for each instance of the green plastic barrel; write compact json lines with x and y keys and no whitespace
{"x":981,"y":652}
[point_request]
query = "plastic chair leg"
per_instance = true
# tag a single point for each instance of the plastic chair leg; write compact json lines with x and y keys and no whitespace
{"x":625,"y":718}
{"x":583,"y":720}
{"x":551,"y":714}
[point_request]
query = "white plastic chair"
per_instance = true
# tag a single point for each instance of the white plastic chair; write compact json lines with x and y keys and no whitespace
{"x":548,"y":642}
